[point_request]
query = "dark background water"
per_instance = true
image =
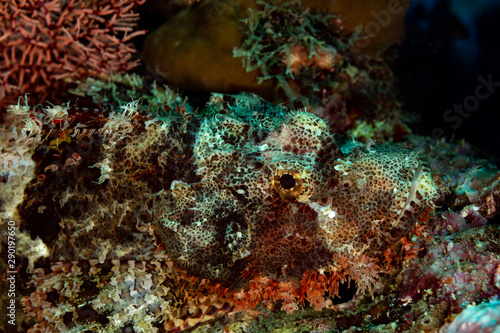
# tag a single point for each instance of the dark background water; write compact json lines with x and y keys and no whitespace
{"x":449,"y":45}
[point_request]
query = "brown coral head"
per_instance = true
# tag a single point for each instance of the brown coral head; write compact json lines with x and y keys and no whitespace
{"x":288,"y":184}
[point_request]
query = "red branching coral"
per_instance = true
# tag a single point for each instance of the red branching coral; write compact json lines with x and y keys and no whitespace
{"x":45,"y":42}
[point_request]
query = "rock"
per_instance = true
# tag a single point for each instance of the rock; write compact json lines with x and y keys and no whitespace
{"x":194,"y":50}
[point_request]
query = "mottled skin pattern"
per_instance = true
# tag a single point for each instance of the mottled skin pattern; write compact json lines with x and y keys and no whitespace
{"x":276,"y":194}
{"x":235,"y":215}
{"x":245,"y":203}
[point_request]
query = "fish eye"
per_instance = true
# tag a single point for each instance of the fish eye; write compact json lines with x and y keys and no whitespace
{"x":287,"y":181}
{"x":288,"y":184}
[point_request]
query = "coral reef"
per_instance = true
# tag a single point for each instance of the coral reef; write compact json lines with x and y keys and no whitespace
{"x":136,"y":208}
{"x":448,"y":271}
{"x":484,"y":317}
{"x":468,"y":178}
{"x":290,"y":55}
{"x":44,"y":43}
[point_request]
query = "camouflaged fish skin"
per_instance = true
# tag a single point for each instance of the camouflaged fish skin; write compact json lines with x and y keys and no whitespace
{"x":276,"y":193}
{"x":245,"y":187}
